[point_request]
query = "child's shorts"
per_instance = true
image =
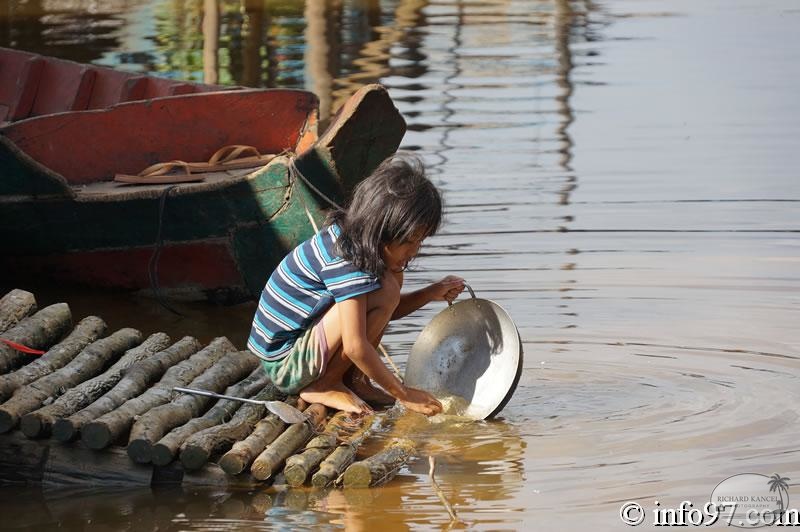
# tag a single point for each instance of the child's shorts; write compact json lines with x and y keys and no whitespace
{"x":305,"y":363}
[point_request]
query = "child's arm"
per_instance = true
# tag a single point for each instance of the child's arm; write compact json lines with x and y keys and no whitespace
{"x":356,"y":347}
{"x":445,"y":290}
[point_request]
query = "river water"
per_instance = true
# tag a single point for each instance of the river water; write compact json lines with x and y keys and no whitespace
{"x":621,"y":176}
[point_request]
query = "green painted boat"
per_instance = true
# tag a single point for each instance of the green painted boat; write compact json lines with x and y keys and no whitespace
{"x":63,"y":217}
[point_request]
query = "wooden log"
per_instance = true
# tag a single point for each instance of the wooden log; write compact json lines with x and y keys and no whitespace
{"x":166,"y":449}
{"x":85,"y":393}
{"x":14,"y":306}
{"x":335,"y":464}
{"x":133,"y":383}
{"x":87,"y":331}
{"x":198,"y":448}
{"x":39,"y":331}
{"x":285,"y":445}
{"x":87,"y":364}
{"x":299,"y":466}
{"x":102,"y":432}
{"x":381,"y":467}
{"x":152,"y":425}
{"x":244,"y":452}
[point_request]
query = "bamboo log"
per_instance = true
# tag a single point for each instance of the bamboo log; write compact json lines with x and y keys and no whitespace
{"x":39,"y":331}
{"x":299,"y":466}
{"x":244,"y":452}
{"x":85,"y":393}
{"x":102,"y":432}
{"x":87,"y":331}
{"x":166,"y":449}
{"x":285,"y":445}
{"x":198,"y":448}
{"x":14,"y":306}
{"x":381,"y":467}
{"x":334,"y":465}
{"x":133,"y":383}
{"x":152,"y":425}
{"x":87,"y":364}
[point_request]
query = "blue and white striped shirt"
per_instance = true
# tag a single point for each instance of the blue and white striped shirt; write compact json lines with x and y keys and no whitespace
{"x":301,"y":289}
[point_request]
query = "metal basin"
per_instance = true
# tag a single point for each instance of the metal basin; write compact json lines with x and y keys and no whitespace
{"x":472,"y":350}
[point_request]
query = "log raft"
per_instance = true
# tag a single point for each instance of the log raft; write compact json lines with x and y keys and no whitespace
{"x":87,"y":392}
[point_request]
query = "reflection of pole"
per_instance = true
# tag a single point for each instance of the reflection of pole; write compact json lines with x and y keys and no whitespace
{"x":563,"y":24}
{"x":210,"y":41}
{"x":317,"y":77}
{"x":251,"y":51}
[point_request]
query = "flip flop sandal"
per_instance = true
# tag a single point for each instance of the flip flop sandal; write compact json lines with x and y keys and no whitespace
{"x":230,"y":157}
{"x":162,"y":174}
{"x":225,"y":158}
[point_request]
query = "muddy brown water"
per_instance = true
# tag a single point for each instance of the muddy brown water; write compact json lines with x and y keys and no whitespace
{"x":621,"y":176}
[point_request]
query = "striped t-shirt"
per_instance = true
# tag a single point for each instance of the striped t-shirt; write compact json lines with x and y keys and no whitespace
{"x":303,"y":286}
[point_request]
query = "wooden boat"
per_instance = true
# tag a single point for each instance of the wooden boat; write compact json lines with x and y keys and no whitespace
{"x":62,"y":217}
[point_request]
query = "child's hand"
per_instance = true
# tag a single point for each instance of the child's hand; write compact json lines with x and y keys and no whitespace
{"x":447,"y":289}
{"x":421,"y":401}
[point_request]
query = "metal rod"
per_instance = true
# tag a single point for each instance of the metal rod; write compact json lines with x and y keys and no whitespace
{"x":217,"y":395}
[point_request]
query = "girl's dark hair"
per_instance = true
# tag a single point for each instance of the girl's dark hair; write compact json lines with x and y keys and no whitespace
{"x":389,"y":205}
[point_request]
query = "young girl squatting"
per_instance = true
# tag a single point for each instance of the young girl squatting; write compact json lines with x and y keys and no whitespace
{"x":325,"y":308}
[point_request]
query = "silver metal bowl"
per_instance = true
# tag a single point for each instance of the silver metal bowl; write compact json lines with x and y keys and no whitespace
{"x":472,"y":349}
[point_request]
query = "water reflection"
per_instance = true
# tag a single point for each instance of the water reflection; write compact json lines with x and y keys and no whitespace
{"x":658,"y":300}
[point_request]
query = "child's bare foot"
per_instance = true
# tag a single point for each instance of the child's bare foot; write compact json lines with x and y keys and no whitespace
{"x":362,"y":386}
{"x":336,"y":396}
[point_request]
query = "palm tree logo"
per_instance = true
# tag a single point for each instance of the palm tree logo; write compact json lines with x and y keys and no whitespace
{"x":778,"y":484}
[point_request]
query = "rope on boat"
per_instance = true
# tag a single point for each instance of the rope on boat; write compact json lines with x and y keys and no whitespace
{"x":152,"y":267}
